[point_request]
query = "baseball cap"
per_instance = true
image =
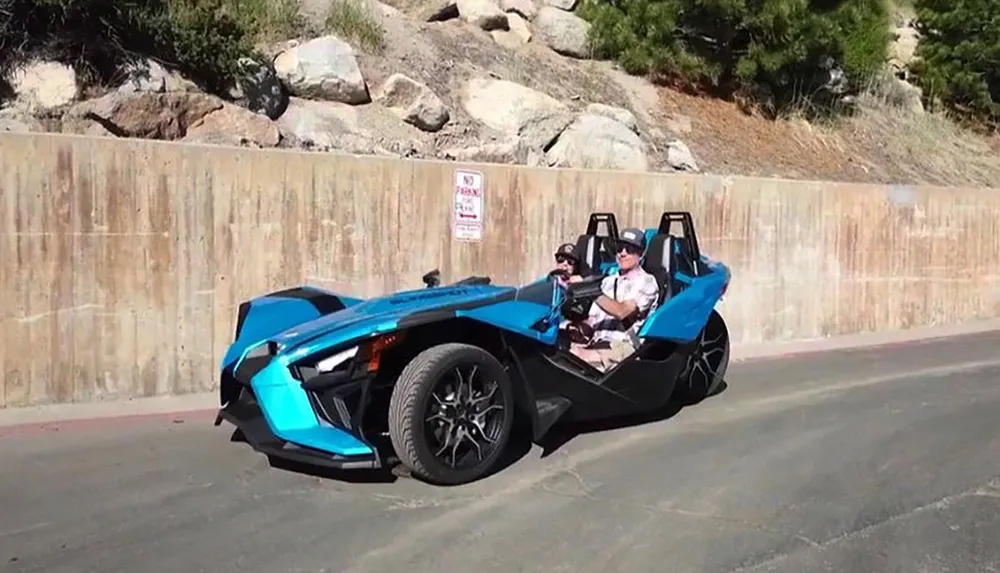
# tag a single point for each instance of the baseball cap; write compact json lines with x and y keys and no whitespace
{"x":567,"y":250}
{"x":633,"y":236}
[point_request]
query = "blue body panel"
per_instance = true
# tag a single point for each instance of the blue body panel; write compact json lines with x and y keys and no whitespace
{"x":267,"y":317}
{"x":300,"y":330}
{"x":377,"y":314}
{"x":682,"y":317}
{"x":516,"y":316}
{"x":290,"y":415}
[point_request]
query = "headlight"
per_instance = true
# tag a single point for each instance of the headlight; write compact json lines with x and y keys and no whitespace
{"x":330,"y":363}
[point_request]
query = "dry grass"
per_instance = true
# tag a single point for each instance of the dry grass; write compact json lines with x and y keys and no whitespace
{"x":266,"y":21}
{"x":883,"y":141}
{"x":356,"y":22}
{"x":927,"y":148}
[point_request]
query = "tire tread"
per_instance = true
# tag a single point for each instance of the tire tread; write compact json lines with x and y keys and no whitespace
{"x":404,"y":404}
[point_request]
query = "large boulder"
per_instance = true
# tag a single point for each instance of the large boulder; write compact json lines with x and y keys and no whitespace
{"x":413,"y":102}
{"x":598,"y":142}
{"x":151,"y":76}
{"x":680,"y":158}
{"x":18,"y":121}
{"x":516,"y":110}
{"x":323,"y":68}
{"x":525,"y":8}
{"x":41,"y":86}
{"x":566,"y":5}
{"x":146,"y":115}
{"x":565,"y":33}
{"x":903,"y":49}
{"x":234,"y":125}
{"x":510,"y":151}
{"x":517,"y":34}
{"x":484,"y":14}
{"x":320,"y":125}
{"x":619,"y":114}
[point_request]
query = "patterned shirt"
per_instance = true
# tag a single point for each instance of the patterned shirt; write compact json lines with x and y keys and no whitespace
{"x":637,"y":286}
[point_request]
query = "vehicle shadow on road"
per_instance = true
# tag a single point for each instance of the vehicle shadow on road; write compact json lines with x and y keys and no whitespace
{"x":381,"y":475}
{"x":562,"y":434}
{"x":518,"y":447}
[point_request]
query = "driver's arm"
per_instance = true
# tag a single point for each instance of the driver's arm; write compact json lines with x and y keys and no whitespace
{"x":641,"y":301}
{"x":618,"y":309}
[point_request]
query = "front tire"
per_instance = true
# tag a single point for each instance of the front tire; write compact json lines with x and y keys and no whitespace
{"x":706,"y":367}
{"x":451,"y":414}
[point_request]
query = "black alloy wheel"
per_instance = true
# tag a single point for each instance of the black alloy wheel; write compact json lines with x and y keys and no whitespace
{"x":451,"y":413}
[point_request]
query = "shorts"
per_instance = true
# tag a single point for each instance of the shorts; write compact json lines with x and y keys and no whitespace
{"x":607,"y":355}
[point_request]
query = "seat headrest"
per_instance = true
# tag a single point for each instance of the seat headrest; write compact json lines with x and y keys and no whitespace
{"x":588,"y":247}
{"x":658,"y":253}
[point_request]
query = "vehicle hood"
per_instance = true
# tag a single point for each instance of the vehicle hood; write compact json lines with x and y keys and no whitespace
{"x":382,"y":314}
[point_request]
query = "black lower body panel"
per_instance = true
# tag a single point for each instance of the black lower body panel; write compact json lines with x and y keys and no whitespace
{"x":246,"y":415}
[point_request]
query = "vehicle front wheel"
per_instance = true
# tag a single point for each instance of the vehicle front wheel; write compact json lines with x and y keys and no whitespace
{"x":451,"y":414}
{"x":707,"y":365}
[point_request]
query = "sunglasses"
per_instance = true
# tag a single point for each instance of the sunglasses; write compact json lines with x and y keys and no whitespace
{"x":629,"y":248}
{"x":561,"y":259}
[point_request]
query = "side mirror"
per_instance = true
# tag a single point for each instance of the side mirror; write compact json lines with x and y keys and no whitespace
{"x":432,"y":279}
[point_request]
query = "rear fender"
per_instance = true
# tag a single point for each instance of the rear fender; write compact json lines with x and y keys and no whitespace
{"x":683,"y":316}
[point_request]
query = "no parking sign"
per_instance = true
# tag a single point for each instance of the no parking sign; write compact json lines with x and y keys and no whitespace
{"x":467,"y":219}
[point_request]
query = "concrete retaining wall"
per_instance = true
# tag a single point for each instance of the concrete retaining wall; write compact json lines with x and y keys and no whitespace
{"x":123,"y":261}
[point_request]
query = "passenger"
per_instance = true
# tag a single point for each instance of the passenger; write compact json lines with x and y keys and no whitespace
{"x":567,"y":264}
{"x":610,"y":332}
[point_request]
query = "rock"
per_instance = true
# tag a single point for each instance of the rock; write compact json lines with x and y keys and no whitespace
{"x":598,"y":142}
{"x":437,"y":10}
{"x":143,"y":114}
{"x":323,"y":68}
{"x":619,"y":114}
{"x":518,"y":34}
{"x":679,"y":157}
{"x":563,"y":32}
{"x":903,"y":49}
{"x":565,"y":5}
{"x":150,"y":76}
{"x":907,"y":96}
{"x":525,"y":8}
{"x":516,"y":110}
{"x":236,"y":126}
{"x":17,"y":121}
{"x":484,"y":14}
{"x":511,"y":151}
{"x":413,"y":102}
{"x":320,"y":125}
{"x":42,"y":85}
{"x":260,"y":89}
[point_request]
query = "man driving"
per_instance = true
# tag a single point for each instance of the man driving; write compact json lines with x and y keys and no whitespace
{"x":617,"y":315}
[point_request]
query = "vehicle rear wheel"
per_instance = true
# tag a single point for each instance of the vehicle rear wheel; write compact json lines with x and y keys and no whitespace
{"x":706,"y":367}
{"x":451,"y":413}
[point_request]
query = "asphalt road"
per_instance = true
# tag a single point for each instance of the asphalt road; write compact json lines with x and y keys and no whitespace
{"x":882,"y":460}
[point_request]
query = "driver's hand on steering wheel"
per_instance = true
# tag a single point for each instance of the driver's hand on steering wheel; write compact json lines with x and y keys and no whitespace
{"x":561,"y":276}
{"x":580,"y":332}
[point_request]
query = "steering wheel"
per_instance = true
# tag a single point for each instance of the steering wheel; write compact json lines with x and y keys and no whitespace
{"x":557,"y":273}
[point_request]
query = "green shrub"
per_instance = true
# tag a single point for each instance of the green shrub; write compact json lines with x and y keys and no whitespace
{"x":203,"y":39}
{"x":959,"y":56}
{"x":782,"y":50}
